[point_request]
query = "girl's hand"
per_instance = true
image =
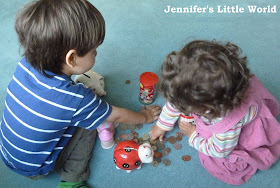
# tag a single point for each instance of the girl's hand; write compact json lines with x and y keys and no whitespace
{"x":157,"y":132}
{"x":151,"y":113}
{"x":187,"y":128}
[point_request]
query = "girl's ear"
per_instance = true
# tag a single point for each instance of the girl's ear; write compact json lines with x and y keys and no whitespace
{"x":71,"y":58}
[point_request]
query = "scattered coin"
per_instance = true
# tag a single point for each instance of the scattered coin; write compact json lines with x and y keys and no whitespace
{"x":153,"y":142}
{"x":157,"y":154}
{"x":155,"y":163}
{"x":177,"y":146}
{"x":160,"y":145}
{"x":180,"y":134}
{"x":140,"y":140}
{"x":172,"y":139}
{"x":154,"y":148}
{"x":166,"y":162}
{"x":166,"y":151}
{"x":186,"y":158}
{"x":146,"y":137}
{"x":127,"y":81}
{"x":179,"y":138}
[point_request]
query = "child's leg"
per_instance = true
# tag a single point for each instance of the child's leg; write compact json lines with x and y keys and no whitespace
{"x":73,"y":162}
{"x":106,"y":131}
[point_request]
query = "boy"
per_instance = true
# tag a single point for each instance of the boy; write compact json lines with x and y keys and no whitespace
{"x":49,"y":122}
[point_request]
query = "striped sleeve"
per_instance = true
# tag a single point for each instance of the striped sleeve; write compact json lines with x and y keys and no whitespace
{"x":168,"y":117}
{"x":220,"y":145}
{"x":91,"y":112}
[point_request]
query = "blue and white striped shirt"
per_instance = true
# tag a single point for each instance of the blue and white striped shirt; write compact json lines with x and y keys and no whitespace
{"x":40,"y":116}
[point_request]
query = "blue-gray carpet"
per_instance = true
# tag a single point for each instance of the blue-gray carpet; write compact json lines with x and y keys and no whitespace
{"x":139,"y":35}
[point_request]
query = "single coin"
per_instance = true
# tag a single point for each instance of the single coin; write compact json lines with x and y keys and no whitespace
{"x":153,"y":142}
{"x":154,"y":148}
{"x":127,"y":81}
{"x":177,"y":146}
{"x":179,"y":138}
{"x":166,"y":151}
{"x":157,"y":154}
{"x":180,"y":134}
{"x":155,"y":163}
{"x":146,"y":137}
{"x":160,"y":145}
{"x":172,"y":140}
{"x":138,"y":126}
{"x":166,"y":162}
{"x":186,"y":158}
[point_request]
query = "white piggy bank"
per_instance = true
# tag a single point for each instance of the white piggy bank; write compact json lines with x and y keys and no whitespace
{"x":92,"y":80}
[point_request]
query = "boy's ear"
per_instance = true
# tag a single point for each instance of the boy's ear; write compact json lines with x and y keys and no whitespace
{"x":71,"y":58}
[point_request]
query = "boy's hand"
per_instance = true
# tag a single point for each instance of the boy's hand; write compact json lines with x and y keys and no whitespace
{"x":151,"y":113}
{"x":157,"y":132}
{"x":187,"y":128}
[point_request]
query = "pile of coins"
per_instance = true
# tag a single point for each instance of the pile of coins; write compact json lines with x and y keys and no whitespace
{"x":160,"y":150}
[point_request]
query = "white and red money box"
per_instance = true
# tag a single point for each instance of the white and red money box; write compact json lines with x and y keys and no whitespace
{"x":129,"y":155}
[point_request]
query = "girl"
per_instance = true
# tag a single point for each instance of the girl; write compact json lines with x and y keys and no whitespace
{"x":236,"y":131}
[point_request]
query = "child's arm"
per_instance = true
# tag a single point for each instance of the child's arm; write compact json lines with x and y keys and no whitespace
{"x":218,"y":145}
{"x":166,"y":122}
{"x":123,"y":115}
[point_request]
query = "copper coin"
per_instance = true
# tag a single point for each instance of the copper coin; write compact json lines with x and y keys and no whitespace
{"x":186,"y":158}
{"x":166,"y":162}
{"x":179,"y":138}
{"x":172,"y":140}
{"x":153,"y":142}
{"x":157,"y":154}
{"x":146,"y":137}
{"x":180,"y":134}
{"x":127,"y":81}
{"x":155,"y":163}
{"x":177,"y":146}
{"x":160,"y":145}
{"x":166,"y":151}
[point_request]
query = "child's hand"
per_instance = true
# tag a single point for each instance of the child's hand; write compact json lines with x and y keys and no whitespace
{"x":187,"y":128}
{"x":151,"y":113}
{"x":157,"y":132}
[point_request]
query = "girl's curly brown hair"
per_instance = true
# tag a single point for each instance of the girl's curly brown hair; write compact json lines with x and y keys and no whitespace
{"x":205,"y":77}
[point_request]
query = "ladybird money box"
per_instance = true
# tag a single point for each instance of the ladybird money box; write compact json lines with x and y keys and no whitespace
{"x":129,"y":155}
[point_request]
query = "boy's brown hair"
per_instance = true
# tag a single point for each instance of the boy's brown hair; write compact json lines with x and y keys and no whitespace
{"x":205,"y":77}
{"x":48,"y":29}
